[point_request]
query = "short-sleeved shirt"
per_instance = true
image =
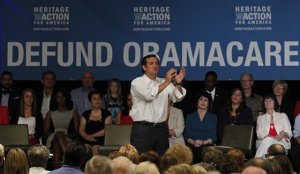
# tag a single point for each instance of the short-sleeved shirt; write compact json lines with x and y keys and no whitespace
{"x":95,"y":126}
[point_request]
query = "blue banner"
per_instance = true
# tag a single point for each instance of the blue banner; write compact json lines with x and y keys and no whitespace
{"x":110,"y":37}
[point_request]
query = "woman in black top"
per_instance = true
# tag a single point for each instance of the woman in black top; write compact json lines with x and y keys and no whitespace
{"x":92,"y":122}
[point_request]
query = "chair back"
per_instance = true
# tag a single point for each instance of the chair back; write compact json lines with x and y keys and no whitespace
{"x":239,"y":136}
{"x":14,"y":135}
{"x":115,"y":137}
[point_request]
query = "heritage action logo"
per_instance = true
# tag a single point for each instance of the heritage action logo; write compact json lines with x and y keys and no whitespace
{"x":250,"y":18}
{"x":152,"y":18}
{"x":51,"y":18}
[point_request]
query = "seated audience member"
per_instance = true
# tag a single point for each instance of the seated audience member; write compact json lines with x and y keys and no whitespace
{"x":114,"y":154}
{"x":198,"y":169}
{"x":113,"y":100}
{"x":253,"y":170}
{"x":9,"y":98}
{"x":166,"y":161}
{"x":46,"y":95}
{"x":57,"y":124}
{"x":276,"y":149}
{"x":146,"y":167}
{"x":182,"y":153}
{"x":130,"y":152}
{"x":125,"y":117}
{"x":236,"y":112}
{"x":272,"y":127}
{"x":233,"y":161}
{"x":175,"y":123}
{"x":294,"y":153}
{"x":31,"y":116}
{"x":201,"y":127}
{"x":213,"y":156}
{"x":123,"y":165}
{"x":92,"y":122}
{"x":99,"y":165}
{"x":38,"y":156}
{"x":73,"y":159}
{"x":180,"y":169}
{"x":285,"y":105}
{"x":16,"y":162}
{"x":259,"y":162}
{"x":207,"y":166}
{"x":80,"y":95}
{"x":150,"y":156}
{"x":274,"y":166}
{"x":284,"y":163}
{"x":1,"y":158}
{"x":252,"y":100}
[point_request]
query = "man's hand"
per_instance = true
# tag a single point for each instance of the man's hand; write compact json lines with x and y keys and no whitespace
{"x":180,"y":76}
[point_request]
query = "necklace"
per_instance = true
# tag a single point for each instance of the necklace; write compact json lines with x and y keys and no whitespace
{"x":96,"y":113}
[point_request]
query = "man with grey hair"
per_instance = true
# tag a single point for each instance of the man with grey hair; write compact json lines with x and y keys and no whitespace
{"x":1,"y":158}
{"x":123,"y":165}
{"x":99,"y":165}
{"x":38,"y":156}
{"x":253,"y":100}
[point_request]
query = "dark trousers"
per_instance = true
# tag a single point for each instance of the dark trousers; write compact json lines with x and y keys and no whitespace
{"x":145,"y":137}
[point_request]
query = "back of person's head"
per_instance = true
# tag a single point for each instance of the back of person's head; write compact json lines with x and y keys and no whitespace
{"x":253,"y":170}
{"x":123,"y":165}
{"x":213,"y":156}
{"x":285,"y":163}
{"x":275,"y":166}
{"x":150,"y":156}
{"x":259,"y":162}
{"x":182,"y":153}
{"x":38,"y":155}
{"x":207,"y":166}
{"x":146,"y":167}
{"x":276,"y":149}
{"x":16,"y":162}
{"x":75,"y":154}
{"x":114,"y":154}
{"x":198,"y":169}
{"x":166,"y":161}
{"x":99,"y":165}
{"x":130,"y":152}
{"x":180,"y":169}
{"x":233,"y":161}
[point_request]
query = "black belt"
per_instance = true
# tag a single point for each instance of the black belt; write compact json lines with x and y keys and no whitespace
{"x":151,"y":124}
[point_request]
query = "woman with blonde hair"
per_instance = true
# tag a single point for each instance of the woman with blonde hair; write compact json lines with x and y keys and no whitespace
{"x":16,"y":162}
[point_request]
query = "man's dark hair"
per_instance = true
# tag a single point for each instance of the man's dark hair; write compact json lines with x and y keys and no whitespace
{"x":48,"y":72}
{"x":6,"y":73}
{"x":144,"y":62}
{"x":211,"y":73}
{"x":75,"y":154}
{"x":276,"y":149}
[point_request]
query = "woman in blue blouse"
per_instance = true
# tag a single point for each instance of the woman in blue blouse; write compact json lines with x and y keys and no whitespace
{"x":201,"y":127}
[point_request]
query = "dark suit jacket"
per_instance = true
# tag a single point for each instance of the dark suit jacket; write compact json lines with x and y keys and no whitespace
{"x":13,"y":102}
{"x":40,"y":96}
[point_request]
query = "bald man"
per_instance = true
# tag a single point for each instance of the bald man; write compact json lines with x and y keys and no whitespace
{"x":253,"y":170}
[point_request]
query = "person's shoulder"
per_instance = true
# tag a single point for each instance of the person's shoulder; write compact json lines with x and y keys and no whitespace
{"x":76,"y":90}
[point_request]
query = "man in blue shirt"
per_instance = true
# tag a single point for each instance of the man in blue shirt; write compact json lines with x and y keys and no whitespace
{"x":73,"y":159}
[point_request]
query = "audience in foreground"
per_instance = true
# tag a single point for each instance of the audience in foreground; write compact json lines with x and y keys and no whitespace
{"x":38,"y":156}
